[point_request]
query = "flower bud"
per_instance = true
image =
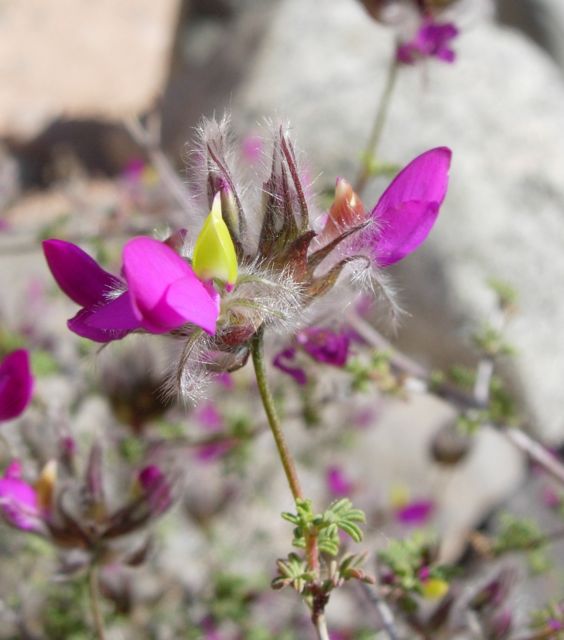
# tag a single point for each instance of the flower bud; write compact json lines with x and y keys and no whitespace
{"x":45,"y":486}
{"x":346,"y":211}
{"x":434,"y":588}
{"x":214,"y":252}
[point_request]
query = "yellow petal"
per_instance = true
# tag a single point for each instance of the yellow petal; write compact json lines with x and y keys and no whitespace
{"x":45,"y":485}
{"x":399,"y":496}
{"x":434,"y":588}
{"x":214,"y":252}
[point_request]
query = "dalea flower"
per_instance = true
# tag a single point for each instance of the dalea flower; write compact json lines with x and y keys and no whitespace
{"x":251,"y":259}
{"x":19,"y":501}
{"x":73,"y":512}
{"x":159,"y":291}
{"x":16,"y":384}
{"x":432,"y":40}
{"x":321,"y":344}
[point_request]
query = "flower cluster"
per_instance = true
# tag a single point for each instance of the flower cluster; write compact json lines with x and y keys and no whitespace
{"x":74,"y":512}
{"x":261,"y":259}
{"x":423,"y":34}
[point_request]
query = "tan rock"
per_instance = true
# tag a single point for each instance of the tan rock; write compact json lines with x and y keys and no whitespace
{"x":79,"y":58}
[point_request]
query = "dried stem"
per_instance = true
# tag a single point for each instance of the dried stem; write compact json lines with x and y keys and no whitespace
{"x":321,"y":627}
{"x":370,"y":150}
{"x":95,"y":602}
{"x":384,"y":612}
{"x":149,"y":139}
{"x":535,"y":451}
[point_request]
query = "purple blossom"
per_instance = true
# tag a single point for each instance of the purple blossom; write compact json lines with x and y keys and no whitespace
{"x":408,"y":209}
{"x":16,"y":384}
{"x":209,"y":417}
{"x":555,"y":625}
{"x":325,"y":345}
{"x":284,"y":362}
{"x":18,"y":500}
{"x":416,"y":513}
{"x":159,"y":292}
{"x":338,"y":483}
{"x":403,"y":216}
{"x":156,"y":487}
{"x":213,"y":451}
{"x":551,"y":498}
{"x":432,"y":40}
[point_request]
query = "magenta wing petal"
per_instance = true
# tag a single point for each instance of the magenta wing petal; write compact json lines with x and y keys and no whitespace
{"x":116,"y":315}
{"x":407,"y":210}
{"x":111,"y":321}
{"x":18,"y":502}
{"x":164,"y":289}
{"x":79,"y":276}
{"x":16,"y":384}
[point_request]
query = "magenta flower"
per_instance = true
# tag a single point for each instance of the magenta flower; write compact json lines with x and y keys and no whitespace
{"x":432,"y":40}
{"x":18,"y":500}
{"x":325,"y":345}
{"x":402,"y":218}
{"x":157,"y":489}
{"x":16,"y":384}
{"x":408,"y":209}
{"x":416,"y":513}
{"x":209,"y":417}
{"x":159,"y":291}
{"x":284,"y":360}
{"x":337,"y":482}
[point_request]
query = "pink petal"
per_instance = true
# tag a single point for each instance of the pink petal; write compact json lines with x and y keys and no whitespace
{"x":164,"y":289}
{"x":407,"y":210}
{"x":116,"y":315}
{"x":79,"y":276}
{"x":81,"y":325}
{"x":18,"y":502}
{"x":16,"y":384}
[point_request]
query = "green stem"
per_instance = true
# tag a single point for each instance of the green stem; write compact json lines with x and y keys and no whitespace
{"x":312,"y":548}
{"x":95,"y":602}
{"x":381,"y":114}
{"x":272,"y":415}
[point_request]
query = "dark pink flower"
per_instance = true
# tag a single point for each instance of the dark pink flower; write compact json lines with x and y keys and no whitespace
{"x":408,"y":209}
{"x":416,"y":513}
{"x":325,"y":345}
{"x":551,"y":498}
{"x":159,"y":292}
{"x":338,"y":483}
{"x":209,"y":417}
{"x":402,"y":218}
{"x":156,"y":487}
{"x":555,"y":625}
{"x":285,"y":362}
{"x":432,"y":40}
{"x":18,"y":500}
{"x":213,"y":451}
{"x":16,"y":384}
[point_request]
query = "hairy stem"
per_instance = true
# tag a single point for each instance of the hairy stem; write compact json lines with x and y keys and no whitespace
{"x":272,"y":415}
{"x":370,"y":150}
{"x":95,"y":603}
{"x":312,"y":549}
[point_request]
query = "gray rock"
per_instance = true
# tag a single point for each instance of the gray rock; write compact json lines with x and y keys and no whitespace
{"x":500,"y":109}
{"x":542,"y":20}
